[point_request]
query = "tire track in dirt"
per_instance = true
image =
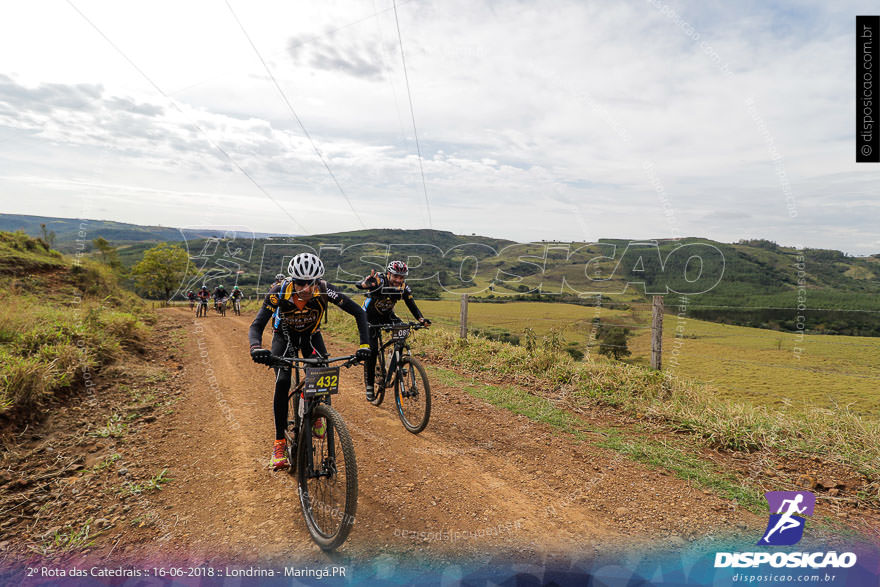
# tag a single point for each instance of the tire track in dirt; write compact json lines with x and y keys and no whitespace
{"x":498,"y":480}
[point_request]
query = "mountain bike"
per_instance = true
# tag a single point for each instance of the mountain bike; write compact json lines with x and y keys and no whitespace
{"x":320,"y":450}
{"x":221,"y":307}
{"x":203,"y":308}
{"x":412,"y":391}
{"x":236,"y":306}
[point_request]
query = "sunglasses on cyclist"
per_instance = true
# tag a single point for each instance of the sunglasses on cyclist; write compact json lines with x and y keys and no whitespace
{"x":304,"y":282}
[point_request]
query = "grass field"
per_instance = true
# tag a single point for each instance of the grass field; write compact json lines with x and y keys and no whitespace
{"x":749,"y":364}
{"x":575,"y":321}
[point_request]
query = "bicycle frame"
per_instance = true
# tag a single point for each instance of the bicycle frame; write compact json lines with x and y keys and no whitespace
{"x":393,"y":357}
{"x":319,"y":458}
{"x":399,"y":347}
{"x":301,"y":425}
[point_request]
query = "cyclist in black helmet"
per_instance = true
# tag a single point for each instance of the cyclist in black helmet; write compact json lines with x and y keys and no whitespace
{"x":297,"y":306}
{"x":219,"y":294}
{"x":383,"y":292}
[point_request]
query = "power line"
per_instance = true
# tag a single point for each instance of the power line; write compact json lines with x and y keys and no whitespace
{"x":390,"y":78}
{"x":292,"y":111}
{"x":412,"y":113}
{"x":179,"y":109}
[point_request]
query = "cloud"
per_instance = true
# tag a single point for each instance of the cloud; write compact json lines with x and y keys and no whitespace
{"x":724,"y":215}
{"x":361,"y":58}
{"x":539,"y":114}
{"x":144,"y":109}
{"x":46,"y":97}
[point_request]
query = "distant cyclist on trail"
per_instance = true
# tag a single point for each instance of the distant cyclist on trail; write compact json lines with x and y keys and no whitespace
{"x":384,"y":291}
{"x":297,"y":306}
{"x":204,"y":295}
{"x":236,"y":296}
{"x":219,"y":294}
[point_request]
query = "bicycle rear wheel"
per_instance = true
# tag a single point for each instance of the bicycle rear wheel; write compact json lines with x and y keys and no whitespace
{"x":412,"y":392}
{"x":327,"y":478}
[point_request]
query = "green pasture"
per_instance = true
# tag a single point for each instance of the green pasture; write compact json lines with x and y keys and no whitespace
{"x":762,"y":367}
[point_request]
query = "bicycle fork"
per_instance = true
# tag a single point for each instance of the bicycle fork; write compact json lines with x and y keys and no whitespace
{"x":327,"y":466}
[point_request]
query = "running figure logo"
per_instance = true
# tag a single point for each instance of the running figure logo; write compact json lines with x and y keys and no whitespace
{"x":787,"y":512}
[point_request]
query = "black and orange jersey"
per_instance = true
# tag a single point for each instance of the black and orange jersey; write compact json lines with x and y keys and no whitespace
{"x":381,"y":298}
{"x":300,"y":317}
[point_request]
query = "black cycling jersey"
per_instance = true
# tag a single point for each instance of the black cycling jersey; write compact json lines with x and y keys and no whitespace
{"x":298,"y":318}
{"x":236,"y":293}
{"x":220,"y":293}
{"x":297,"y":329}
{"x":381,"y":298}
{"x":203,"y":294}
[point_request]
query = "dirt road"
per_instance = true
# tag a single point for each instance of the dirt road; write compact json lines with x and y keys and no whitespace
{"x":167,"y":459}
{"x":478,"y":479}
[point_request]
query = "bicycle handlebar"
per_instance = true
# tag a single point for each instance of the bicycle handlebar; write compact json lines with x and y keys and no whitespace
{"x":276,"y":361}
{"x":413,"y":325}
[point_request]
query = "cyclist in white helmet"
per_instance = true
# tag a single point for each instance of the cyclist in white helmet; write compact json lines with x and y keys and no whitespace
{"x":297,"y":306}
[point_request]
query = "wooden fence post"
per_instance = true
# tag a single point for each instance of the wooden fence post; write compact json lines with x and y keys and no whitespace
{"x":464,"y":309}
{"x":657,"y":333}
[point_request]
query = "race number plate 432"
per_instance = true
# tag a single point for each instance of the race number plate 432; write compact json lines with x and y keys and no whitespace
{"x":321,"y":381}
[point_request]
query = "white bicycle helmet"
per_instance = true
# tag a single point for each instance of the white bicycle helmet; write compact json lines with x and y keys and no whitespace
{"x":306,"y":267}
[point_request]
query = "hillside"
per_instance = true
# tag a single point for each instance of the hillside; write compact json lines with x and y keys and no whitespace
{"x":63,"y":321}
{"x":753,"y":283}
{"x":67,"y":230}
{"x":750,"y":283}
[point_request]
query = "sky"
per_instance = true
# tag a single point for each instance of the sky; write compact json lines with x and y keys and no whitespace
{"x":535,"y":119}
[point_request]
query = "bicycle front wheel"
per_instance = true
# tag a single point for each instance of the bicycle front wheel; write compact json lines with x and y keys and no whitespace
{"x":412,"y":392}
{"x":327,"y":476}
{"x":380,"y":376}
{"x":291,"y":432}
